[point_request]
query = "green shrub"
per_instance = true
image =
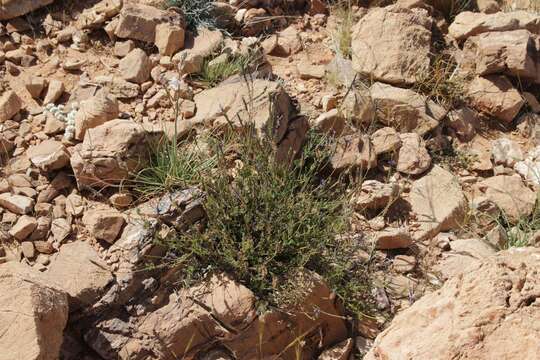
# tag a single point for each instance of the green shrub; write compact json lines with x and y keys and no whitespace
{"x":172,"y":166}
{"x":267,"y":221}
{"x":213,"y":74}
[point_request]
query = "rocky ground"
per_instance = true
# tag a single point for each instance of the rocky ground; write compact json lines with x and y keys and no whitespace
{"x":430,"y":112}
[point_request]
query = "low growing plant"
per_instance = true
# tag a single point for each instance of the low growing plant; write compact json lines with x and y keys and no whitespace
{"x":267,"y":221}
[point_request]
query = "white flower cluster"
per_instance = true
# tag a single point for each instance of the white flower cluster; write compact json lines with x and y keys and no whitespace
{"x":69,"y":118}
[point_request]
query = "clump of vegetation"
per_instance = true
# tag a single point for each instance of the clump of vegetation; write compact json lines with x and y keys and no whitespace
{"x":171,"y":167}
{"x":198,"y":13}
{"x":266,"y":221}
{"x":212,"y":72}
{"x":450,"y":8}
{"x":442,"y":83}
{"x":520,"y":234}
{"x":342,"y":35}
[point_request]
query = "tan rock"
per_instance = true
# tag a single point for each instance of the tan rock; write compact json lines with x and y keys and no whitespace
{"x":54,"y":91}
{"x":94,"y":112}
{"x":309,"y":71}
{"x":60,"y":229}
{"x":375,"y":195}
{"x":33,"y":314}
{"x":495,"y":95}
{"x":79,"y":258}
{"x":509,"y":52}
{"x":122,"y":48}
{"x":28,"y":249}
{"x":273,"y":106}
{"x":354,"y":152}
{"x":438,"y":202}
{"x":17,"y":204}
{"x":413,"y":157}
{"x":488,"y":6}
{"x":196,"y":49}
{"x":406,"y":35}
{"x":10,"y":9}
{"x":23,"y":227}
{"x":104,"y":223}
{"x":469,"y":23}
{"x":477,"y":315}
{"x":392,"y":238}
{"x":49,"y":155}
{"x":6,"y":146}
{"x":95,"y":16}
{"x":404,"y":109}
{"x":10,"y":105}
{"x":341,"y":351}
{"x":121,"y":200}
{"x":169,"y":39}
{"x":35,"y":85}
{"x":385,"y":140}
{"x":135,"y":67}
{"x":463,"y":121}
{"x":109,"y":153}
{"x":509,"y":194}
{"x":331,"y":122}
{"x":284,"y":43}
{"x":139,"y":21}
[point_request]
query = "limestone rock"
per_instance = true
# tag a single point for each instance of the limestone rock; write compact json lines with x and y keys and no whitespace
{"x":469,"y":23}
{"x":385,"y":140}
{"x":79,"y":258}
{"x":169,"y":39}
{"x":375,"y":195}
{"x":94,"y":112}
{"x":509,"y":194}
{"x":480,"y":314}
{"x":270,"y":107}
{"x":10,"y":9}
{"x":413,"y":157}
{"x":392,"y":45}
{"x":509,"y":52}
{"x":35,"y":86}
{"x":23,"y":227}
{"x":54,"y":91}
{"x":95,"y":16}
{"x":331,"y":122}
{"x":438,"y":202}
{"x":191,"y":59}
{"x":109,"y":153}
{"x":506,"y":152}
{"x":496,"y":96}
{"x":354,"y":152}
{"x":33,"y":314}
{"x":461,"y":254}
{"x":392,"y":238}
{"x":10,"y":105}
{"x":49,"y":155}
{"x":17,"y":204}
{"x":196,"y":49}
{"x":463,"y":121}
{"x":104,"y":223}
{"x":139,"y":21}
{"x":135,"y":67}
{"x":404,"y":109}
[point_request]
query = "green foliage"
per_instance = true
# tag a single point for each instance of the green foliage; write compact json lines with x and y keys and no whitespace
{"x":266,"y":221}
{"x":171,"y":166}
{"x":213,"y":74}
{"x":520,"y":234}
{"x":198,"y":13}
